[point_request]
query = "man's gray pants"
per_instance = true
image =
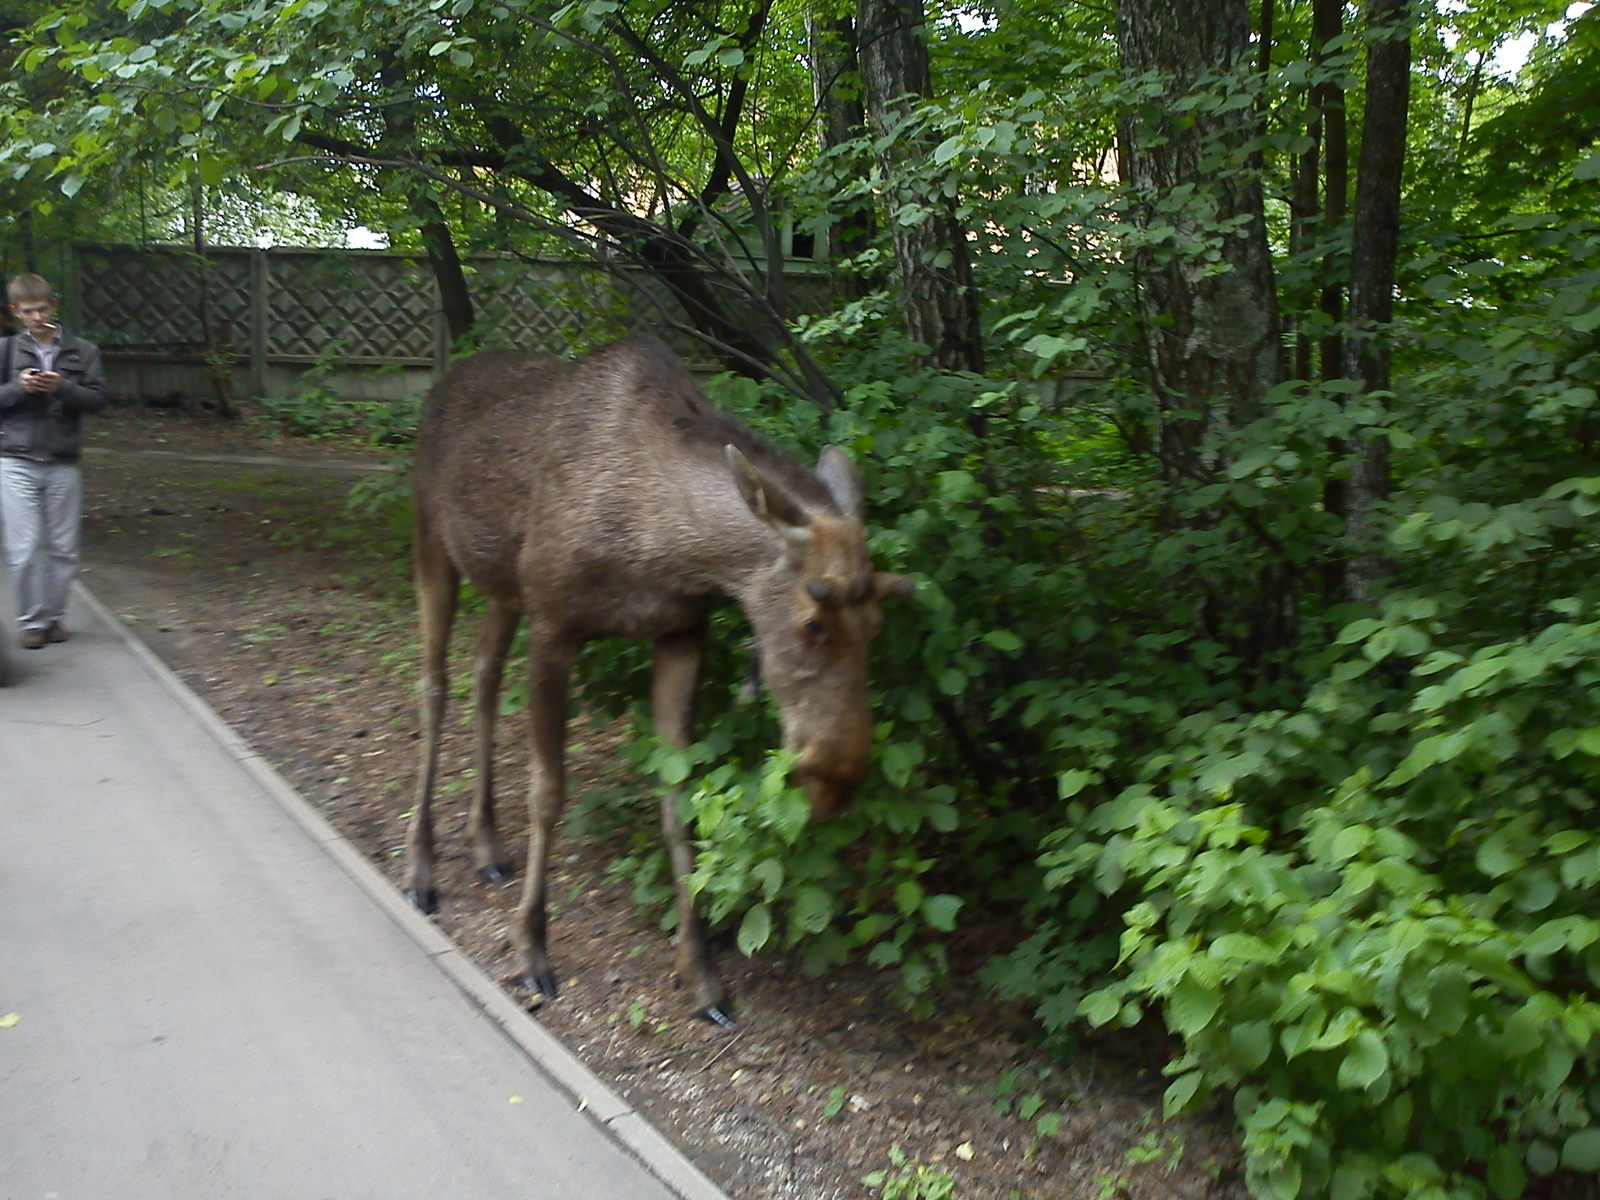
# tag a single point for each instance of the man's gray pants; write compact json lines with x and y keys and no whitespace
{"x":40,"y":506}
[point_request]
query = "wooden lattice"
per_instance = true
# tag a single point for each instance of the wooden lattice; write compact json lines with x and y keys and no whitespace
{"x":342,"y":307}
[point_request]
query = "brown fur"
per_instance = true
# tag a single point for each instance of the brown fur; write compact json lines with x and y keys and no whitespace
{"x":606,"y":496}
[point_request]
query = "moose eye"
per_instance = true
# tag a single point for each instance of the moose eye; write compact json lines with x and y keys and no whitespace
{"x":812,"y":627}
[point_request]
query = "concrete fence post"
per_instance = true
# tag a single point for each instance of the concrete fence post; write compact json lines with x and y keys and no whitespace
{"x":260,"y":287}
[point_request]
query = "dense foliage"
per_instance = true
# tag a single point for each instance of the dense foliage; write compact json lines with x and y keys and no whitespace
{"x":1134,"y":727}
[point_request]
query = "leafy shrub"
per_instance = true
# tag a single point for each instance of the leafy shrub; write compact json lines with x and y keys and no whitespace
{"x":1358,"y":882}
{"x":318,"y":410}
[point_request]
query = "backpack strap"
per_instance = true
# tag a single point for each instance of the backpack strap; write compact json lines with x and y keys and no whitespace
{"x":5,"y":358}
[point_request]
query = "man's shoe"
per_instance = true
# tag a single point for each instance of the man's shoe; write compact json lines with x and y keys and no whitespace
{"x":56,"y":633}
{"x":32,"y":639}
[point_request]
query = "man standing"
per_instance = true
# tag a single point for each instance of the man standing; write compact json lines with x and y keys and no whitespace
{"x":50,"y":379}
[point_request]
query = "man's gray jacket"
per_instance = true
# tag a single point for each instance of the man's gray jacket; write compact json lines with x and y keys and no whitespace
{"x":46,"y":426}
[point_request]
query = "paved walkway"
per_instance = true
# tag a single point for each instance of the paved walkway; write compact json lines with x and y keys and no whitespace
{"x":206,"y":993}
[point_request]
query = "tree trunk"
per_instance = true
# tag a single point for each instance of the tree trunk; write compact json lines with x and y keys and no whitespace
{"x":218,"y":353}
{"x":1304,"y":207}
{"x":1327,"y":21}
{"x":400,"y":140}
{"x":455,"y":297}
{"x":836,"y":81}
{"x":1374,"y":248}
{"x":1473,"y":85}
{"x":1211,"y":338}
{"x":1328,"y":109}
{"x":931,"y":251}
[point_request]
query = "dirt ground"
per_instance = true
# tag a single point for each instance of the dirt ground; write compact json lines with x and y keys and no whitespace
{"x":233,"y":553}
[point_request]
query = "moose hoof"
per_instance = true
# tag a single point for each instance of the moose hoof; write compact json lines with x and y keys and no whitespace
{"x":496,"y":875}
{"x":720,"y":1016}
{"x":424,"y":900}
{"x":541,"y":983}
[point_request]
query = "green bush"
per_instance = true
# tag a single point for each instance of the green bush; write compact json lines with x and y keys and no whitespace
{"x":1352,"y":864}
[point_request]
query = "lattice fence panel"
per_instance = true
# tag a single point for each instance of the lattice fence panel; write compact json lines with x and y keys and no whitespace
{"x":555,"y":306}
{"x":148,"y":299}
{"x":364,"y":308}
{"x":371,"y":308}
{"x":535,"y":306}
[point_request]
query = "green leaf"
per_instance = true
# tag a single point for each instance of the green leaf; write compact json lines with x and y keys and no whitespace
{"x":674,"y":768}
{"x":1357,"y":631}
{"x":1567,"y":841}
{"x":791,"y":813}
{"x":1582,"y":1151}
{"x":1100,"y":1008}
{"x":1542,"y":1157}
{"x":1179,"y":1093}
{"x":1192,"y":1006}
{"x":1250,"y":1043}
{"x":812,"y":910}
{"x":1242,"y":947}
{"x":899,"y":760}
{"x":1366,"y":1064}
{"x":1353,"y":1181}
{"x":1004,"y":641}
{"x":1070,"y":783}
{"x":908,"y":896}
{"x":754,"y":930}
{"x":1350,"y":841}
{"x":1497,"y":857}
{"x":835,"y":1103}
{"x":1283,"y":1181}
{"x":1507,"y":1178}
{"x":940,"y":911}
{"x":769,"y":874}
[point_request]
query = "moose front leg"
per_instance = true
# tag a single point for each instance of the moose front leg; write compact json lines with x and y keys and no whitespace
{"x":548,"y":670}
{"x":489,"y":660}
{"x":676,"y":673}
{"x":438,"y":586}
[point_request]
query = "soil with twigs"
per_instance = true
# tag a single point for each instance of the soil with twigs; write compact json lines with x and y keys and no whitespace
{"x":233,"y":553}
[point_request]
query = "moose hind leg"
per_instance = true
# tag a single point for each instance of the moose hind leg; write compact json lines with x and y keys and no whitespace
{"x":489,"y":660}
{"x":675,"y":676}
{"x":547,"y":728}
{"x":437,"y":587}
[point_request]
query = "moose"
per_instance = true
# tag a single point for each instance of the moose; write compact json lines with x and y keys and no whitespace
{"x":605,"y":496}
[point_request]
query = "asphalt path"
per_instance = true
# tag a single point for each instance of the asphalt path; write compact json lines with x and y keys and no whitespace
{"x":206,"y":992}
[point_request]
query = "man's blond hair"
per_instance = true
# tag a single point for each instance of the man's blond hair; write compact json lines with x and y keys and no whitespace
{"x":24,"y":288}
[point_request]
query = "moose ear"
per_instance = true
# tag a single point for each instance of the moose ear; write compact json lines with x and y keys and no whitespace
{"x":842,"y":478}
{"x":767,"y":499}
{"x":893,"y":587}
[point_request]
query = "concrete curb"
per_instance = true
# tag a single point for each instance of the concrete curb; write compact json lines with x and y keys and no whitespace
{"x":587,"y":1092}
